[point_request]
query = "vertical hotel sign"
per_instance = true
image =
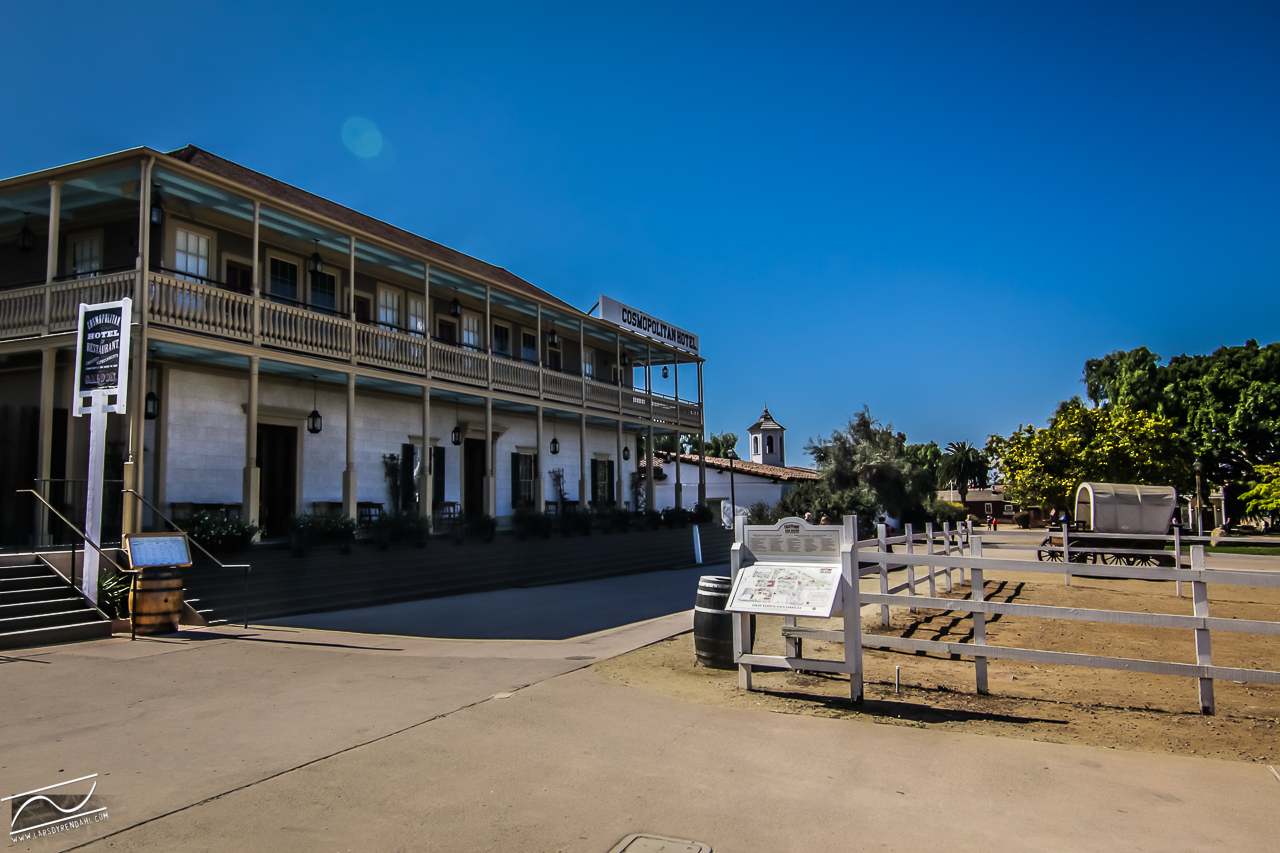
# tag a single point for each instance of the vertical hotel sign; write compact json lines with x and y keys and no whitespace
{"x":102,"y":356}
{"x":647,"y":325}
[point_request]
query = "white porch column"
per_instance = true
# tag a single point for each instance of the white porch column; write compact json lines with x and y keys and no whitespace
{"x":490,"y":484}
{"x":51,"y":256}
{"x":702,"y":442}
{"x":428,"y":458}
{"x":349,"y":475}
{"x":648,"y":474}
{"x":250,"y":479}
{"x":675,"y":368}
{"x":256,"y":276}
{"x":584,"y":494}
{"x":539,"y":485}
{"x":619,"y":496}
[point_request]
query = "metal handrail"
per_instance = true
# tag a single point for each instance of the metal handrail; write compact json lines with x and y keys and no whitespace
{"x":220,"y":564}
{"x":132,"y":572}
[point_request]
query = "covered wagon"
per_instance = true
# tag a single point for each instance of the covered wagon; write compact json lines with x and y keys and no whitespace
{"x":1118,"y":509}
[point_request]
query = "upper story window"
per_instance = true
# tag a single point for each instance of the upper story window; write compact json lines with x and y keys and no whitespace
{"x":389,"y":308}
{"x":284,"y":279}
{"x":86,"y":256}
{"x":502,"y":340}
{"x":529,"y":347}
{"x":417,"y":316}
{"x":588,"y":362}
{"x":768,"y":444}
{"x":755,"y":444}
{"x":324,"y":290}
{"x":191,"y":255}
{"x":471,"y":331}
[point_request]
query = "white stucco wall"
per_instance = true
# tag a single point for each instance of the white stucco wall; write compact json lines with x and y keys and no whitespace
{"x":747,"y":489}
{"x":206,"y":440}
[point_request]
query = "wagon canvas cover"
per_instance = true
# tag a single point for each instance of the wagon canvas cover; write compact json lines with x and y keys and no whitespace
{"x":1126,"y":508}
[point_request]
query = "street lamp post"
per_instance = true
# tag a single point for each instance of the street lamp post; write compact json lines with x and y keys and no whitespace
{"x":1199,"y":514}
{"x":733,"y":496}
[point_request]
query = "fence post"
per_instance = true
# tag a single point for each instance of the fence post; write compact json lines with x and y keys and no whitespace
{"x":1200,"y":603}
{"x":979,"y":593}
{"x":884,"y":575}
{"x":946,"y":551}
{"x":1177,"y":556}
{"x":1066,"y":553}
{"x":853,"y":613}
{"x":933,"y":584}
{"x":911,"y":570}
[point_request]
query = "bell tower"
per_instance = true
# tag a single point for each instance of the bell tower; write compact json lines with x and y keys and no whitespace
{"x":767,"y":444}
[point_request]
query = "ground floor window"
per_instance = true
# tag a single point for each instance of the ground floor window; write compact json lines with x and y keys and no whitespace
{"x":602,"y":482}
{"x":523,"y":466}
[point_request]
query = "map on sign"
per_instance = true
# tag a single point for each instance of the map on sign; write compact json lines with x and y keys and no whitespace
{"x":163,"y":550}
{"x":787,"y":589}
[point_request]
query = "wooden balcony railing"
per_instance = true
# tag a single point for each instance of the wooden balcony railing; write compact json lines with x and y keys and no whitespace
{"x":213,"y":311}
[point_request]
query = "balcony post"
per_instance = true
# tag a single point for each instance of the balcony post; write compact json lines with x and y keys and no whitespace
{"x":617,"y":365}
{"x":648,"y":383}
{"x":490,"y":484}
{"x":538,"y":354}
{"x":582,"y":360}
{"x":426,"y":331}
{"x":349,"y":475}
{"x":428,"y":462}
{"x":51,"y":257}
{"x":702,"y":442}
{"x":250,"y":480}
{"x":488,"y":342}
{"x":679,"y":485}
{"x":141,"y":304}
{"x":351,"y":302}
{"x":256,"y":280}
{"x":539,"y":487}
{"x":584,"y":496}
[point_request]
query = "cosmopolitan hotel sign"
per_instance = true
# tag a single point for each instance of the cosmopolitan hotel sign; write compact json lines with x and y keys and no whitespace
{"x":648,"y":325}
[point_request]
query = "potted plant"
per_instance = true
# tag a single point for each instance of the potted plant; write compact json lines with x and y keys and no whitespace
{"x":220,"y":534}
{"x":300,"y":528}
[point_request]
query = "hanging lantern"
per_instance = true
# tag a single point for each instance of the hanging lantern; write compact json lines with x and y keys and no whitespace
{"x":314,"y":422}
{"x":26,"y":237}
{"x":157,"y":206}
{"x":626,"y":359}
{"x":666,"y":374}
{"x":151,"y":406}
{"x":317,"y":263}
{"x":455,"y":307}
{"x":626,"y":453}
{"x":455,"y":437}
{"x":555,"y":446}
{"x":553,"y":338}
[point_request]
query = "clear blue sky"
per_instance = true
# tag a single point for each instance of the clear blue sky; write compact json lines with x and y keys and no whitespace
{"x":937,"y":209}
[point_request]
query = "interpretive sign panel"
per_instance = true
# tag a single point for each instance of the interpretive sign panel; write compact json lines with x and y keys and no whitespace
{"x":157,"y":549}
{"x":792,"y":541}
{"x":102,"y":352}
{"x":647,"y":325}
{"x":788,"y":589}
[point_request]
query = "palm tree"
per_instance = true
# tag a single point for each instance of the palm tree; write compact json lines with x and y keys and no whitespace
{"x":964,"y":464}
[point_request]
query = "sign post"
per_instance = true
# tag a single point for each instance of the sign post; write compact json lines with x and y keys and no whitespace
{"x":101,"y":388}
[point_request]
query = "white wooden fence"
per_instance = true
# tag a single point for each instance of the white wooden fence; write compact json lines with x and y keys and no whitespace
{"x":942,"y":555}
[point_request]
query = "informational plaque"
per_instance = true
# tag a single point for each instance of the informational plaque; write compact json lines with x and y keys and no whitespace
{"x":157,"y":549}
{"x":792,"y":541}
{"x":102,"y":352}
{"x":787,"y":589}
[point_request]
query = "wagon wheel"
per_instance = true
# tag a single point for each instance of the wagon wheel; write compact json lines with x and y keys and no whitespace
{"x":1082,"y":558}
{"x":1112,"y":559}
{"x":1145,"y":560}
{"x":1048,"y":556}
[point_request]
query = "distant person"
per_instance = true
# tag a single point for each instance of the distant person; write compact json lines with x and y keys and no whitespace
{"x":991,"y":520}
{"x":995,"y":524}
{"x":808,"y":518}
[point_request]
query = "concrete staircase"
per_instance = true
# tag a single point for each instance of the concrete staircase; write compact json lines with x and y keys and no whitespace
{"x":324,"y":579}
{"x":38,"y":607}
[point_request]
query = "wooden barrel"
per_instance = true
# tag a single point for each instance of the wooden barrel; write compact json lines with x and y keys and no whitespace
{"x":156,"y":601}
{"x":712,"y":626}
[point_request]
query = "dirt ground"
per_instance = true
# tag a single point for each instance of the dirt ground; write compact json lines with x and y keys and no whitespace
{"x":1056,"y":704}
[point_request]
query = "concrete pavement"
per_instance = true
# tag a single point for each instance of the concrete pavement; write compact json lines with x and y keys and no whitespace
{"x":289,"y":739}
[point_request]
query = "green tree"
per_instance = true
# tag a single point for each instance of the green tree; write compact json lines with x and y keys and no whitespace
{"x":1111,"y":445}
{"x":964,"y":464}
{"x":928,"y":461}
{"x":720,"y":443}
{"x":1265,"y":495}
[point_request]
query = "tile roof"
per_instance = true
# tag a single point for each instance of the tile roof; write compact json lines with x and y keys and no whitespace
{"x":787,"y":474}
{"x":269,"y":186}
{"x":766,"y":422}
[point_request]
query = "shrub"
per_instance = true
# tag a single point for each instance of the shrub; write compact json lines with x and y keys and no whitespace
{"x":702,"y":514}
{"x":674,"y":515}
{"x":113,"y":593}
{"x":759,"y":513}
{"x":220,"y":533}
{"x":1022,"y":519}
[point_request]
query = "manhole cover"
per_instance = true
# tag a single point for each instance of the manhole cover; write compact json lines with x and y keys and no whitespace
{"x":658,"y":844}
{"x":580,"y":657}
